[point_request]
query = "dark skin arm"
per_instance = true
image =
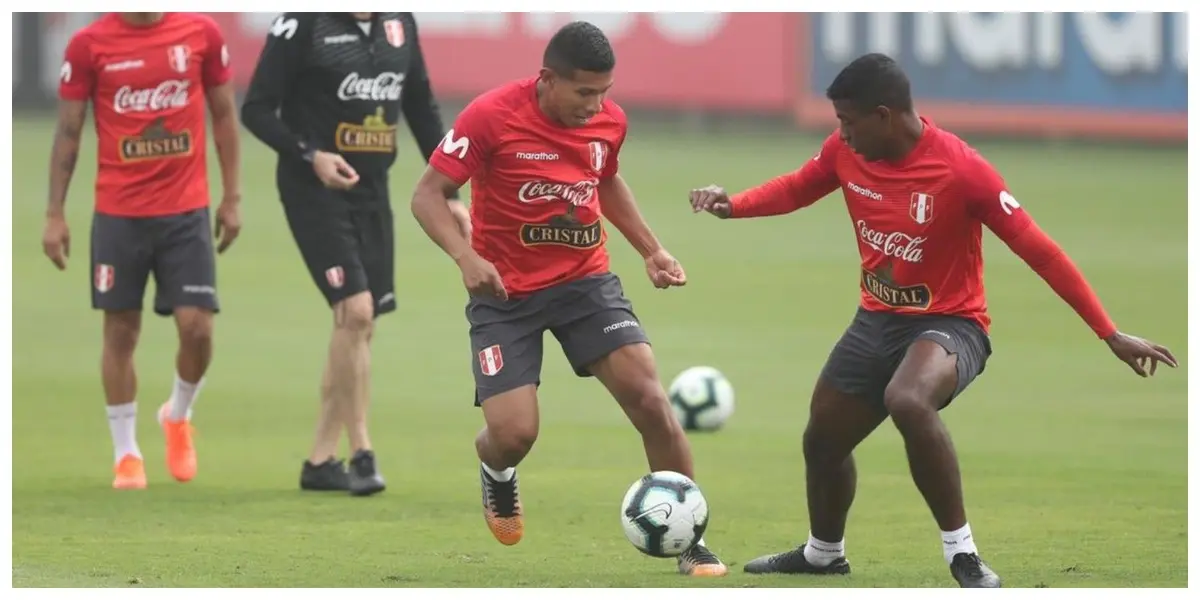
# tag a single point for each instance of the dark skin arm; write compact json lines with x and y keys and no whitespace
{"x":223,"y":106}
{"x":56,"y":239}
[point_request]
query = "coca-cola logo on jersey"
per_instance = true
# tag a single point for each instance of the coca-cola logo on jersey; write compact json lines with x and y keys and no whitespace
{"x":578,"y":194}
{"x":384,"y":86}
{"x":894,"y":244}
{"x":172,"y":93}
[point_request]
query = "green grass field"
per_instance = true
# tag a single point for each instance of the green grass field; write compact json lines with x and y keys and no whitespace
{"x":1075,"y":469}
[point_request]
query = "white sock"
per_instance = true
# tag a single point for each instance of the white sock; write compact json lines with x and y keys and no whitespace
{"x":504,"y":475}
{"x":958,"y":542}
{"x":122,"y":423}
{"x":182,"y":397}
{"x":701,"y":543}
{"x":821,"y":554}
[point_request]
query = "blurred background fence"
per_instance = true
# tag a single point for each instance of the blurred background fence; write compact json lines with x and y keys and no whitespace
{"x":1039,"y":75}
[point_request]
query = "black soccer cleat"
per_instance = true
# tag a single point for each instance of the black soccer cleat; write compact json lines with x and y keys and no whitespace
{"x":329,"y":476}
{"x":364,"y":477}
{"x":793,"y":562}
{"x":971,"y":572}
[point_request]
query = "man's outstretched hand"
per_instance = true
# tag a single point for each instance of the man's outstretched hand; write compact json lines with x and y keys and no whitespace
{"x":1141,"y":355}
{"x":712,"y":199}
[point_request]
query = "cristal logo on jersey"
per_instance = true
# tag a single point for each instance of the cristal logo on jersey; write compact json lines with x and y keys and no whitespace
{"x":178,"y":56}
{"x":374,"y":134}
{"x":881,"y":286}
{"x":491,"y":360}
{"x":395,"y":32}
{"x":894,"y":244}
{"x":386,"y":86}
{"x":920,"y":208}
{"x":105,"y":277}
{"x":598,"y":153}
{"x":578,"y":193}
{"x":170,"y":94}
{"x":155,"y":142}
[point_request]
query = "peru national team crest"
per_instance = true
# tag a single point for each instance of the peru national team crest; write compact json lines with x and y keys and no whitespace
{"x":105,"y":276}
{"x":178,"y":56}
{"x":598,"y":153}
{"x":395,"y":32}
{"x":920,"y":208}
{"x":491,"y":360}
{"x":336,"y":277}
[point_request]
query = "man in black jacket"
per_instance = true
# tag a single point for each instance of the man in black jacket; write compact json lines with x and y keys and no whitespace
{"x":326,"y":95}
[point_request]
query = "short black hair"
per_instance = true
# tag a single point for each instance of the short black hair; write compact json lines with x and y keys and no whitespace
{"x":579,"y":45}
{"x":872,"y":80}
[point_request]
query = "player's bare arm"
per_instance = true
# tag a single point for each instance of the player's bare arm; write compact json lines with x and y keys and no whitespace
{"x":620,"y":208}
{"x":223,"y":107}
{"x":434,"y":213}
{"x":56,"y":239}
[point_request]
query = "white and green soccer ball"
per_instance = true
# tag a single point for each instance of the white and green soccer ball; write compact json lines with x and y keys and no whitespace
{"x":702,"y":399}
{"x":664,"y":513}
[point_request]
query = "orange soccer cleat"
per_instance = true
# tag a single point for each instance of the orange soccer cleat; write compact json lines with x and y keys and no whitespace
{"x":181,"y":452}
{"x":129,"y":474}
{"x":502,"y":508}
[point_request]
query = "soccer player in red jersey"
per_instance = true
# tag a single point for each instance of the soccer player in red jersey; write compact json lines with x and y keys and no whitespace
{"x":542,"y":157}
{"x":918,"y":197}
{"x":148,"y":76}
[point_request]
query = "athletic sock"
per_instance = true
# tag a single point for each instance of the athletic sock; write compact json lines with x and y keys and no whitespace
{"x":122,"y":423}
{"x":182,"y":397}
{"x":959,"y":541}
{"x":821,"y":554}
{"x":505,"y":475}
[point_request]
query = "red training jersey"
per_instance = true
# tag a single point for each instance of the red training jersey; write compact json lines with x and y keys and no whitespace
{"x":535,"y":206}
{"x":919,"y":222}
{"x":147,"y":86}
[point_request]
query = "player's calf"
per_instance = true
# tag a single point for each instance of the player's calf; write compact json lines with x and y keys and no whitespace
{"x":121,"y":332}
{"x":511,"y":430}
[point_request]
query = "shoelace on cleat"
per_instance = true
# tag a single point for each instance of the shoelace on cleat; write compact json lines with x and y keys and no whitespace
{"x":502,"y":496}
{"x":702,"y":556}
{"x":973,"y":565}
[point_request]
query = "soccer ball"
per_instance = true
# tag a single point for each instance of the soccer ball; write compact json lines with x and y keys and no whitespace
{"x":702,"y":399}
{"x":664,"y":513}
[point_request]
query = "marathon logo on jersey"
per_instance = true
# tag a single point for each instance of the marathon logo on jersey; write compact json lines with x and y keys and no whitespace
{"x":105,"y":277}
{"x":920,"y":208}
{"x":170,"y":94}
{"x":155,"y":142}
{"x":395,"y":32}
{"x":894,"y":244}
{"x":386,"y":86}
{"x":336,"y":277}
{"x":374,"y":134}
{"x":491,"y":360}
{"x":178,"y":57}
{"x":598,"y":155}
{"x":880,"y":285}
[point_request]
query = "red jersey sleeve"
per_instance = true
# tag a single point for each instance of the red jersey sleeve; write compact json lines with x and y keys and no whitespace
{"x":989,"y":201}
{"x":77,"y":77}
{"x":216,"y":68}
{"x":815,"y":180}
{"x":467,"y":145}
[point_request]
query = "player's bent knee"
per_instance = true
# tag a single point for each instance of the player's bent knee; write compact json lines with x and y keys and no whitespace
{"x":648,"y":407}
{"x":906,"y":404}
{"x":356,"y":313}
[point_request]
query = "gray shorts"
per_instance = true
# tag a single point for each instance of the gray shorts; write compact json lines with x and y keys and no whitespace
{"x":864,"y":360}
{"x":177,"y":249}
{"x":590,"y":317}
